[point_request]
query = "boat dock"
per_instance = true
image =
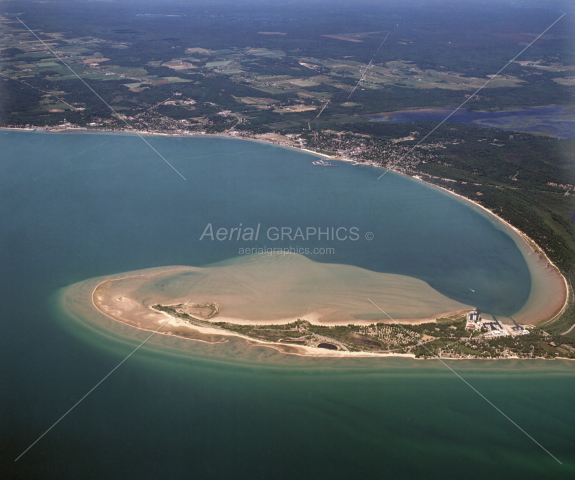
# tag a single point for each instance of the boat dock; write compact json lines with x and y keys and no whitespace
{"x":323,"y":163}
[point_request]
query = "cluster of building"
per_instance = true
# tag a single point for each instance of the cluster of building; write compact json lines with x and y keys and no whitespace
{"x":494,"y":327}
{"x":475,"y":322}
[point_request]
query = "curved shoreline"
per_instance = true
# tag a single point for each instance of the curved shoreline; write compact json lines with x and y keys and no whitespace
{"x":298,"y":350}
{"x":74,"y":300}
{"x":310,"y":317}
{"x":523,"y":241}
{"x":533,"y":247}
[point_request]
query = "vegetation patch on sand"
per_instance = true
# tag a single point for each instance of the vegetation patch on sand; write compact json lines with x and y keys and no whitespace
{"x":217,"y":301}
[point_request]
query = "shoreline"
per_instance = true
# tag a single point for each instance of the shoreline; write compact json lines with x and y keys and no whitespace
{"x":127,"y":299}
{"x":284,"y":348}
{"x":74,"y":302}
{"x":524,"y":239}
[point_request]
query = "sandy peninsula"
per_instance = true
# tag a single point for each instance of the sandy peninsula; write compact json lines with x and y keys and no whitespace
{"x":262,"y":290}
{"x":273,"y":290}
{"x":548,"y":299}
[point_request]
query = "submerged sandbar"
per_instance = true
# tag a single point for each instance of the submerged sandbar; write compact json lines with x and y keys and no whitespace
{"x":268,"y":290}
{"x":275,"y":289}
{"x":257,"y":290}
{"x":272,"y":290}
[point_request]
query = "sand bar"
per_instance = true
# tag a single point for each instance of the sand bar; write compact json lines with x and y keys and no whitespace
{"x":259,"y":289}
{"x":275,"y":289}
{"x":549,"y":295}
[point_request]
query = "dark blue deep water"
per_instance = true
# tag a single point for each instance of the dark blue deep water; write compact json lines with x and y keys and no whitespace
{"x":76,"y":206}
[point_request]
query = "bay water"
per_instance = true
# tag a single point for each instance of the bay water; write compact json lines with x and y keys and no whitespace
{"x":77,"y":206}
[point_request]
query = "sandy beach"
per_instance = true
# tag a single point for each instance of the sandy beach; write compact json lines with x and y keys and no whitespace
{"x":79,"y":302}
{"x":548,"y":297}
{"x":246,"y":295}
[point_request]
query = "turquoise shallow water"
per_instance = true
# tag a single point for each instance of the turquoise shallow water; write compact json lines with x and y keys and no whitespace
{"x":111,"y":203}
{"x":79,"y":206}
